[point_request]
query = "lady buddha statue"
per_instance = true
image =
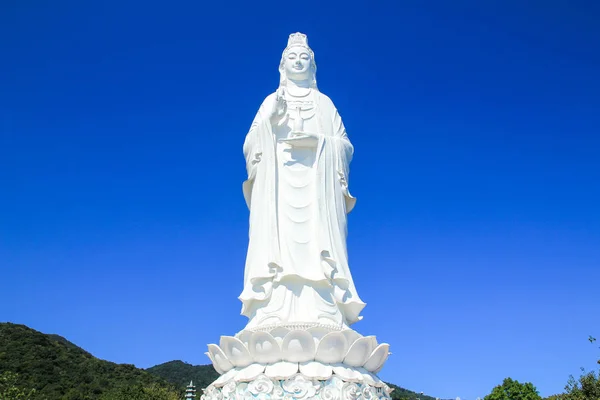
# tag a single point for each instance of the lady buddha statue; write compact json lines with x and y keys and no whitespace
{"x":297,"y":158}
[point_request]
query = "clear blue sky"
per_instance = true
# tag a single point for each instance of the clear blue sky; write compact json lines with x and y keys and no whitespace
{"x":476,"y":236}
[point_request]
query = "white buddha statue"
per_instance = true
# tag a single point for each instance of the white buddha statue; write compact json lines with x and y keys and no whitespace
{"x":297,"y":157}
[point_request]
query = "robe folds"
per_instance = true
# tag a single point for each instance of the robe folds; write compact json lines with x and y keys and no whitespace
{"x":276,"y":286}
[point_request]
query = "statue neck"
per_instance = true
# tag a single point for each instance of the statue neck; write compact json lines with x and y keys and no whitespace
{"x":298,"y":88}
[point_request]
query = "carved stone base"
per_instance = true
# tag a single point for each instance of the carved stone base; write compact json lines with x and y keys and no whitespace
{"x":282,"y":351}
{"x":297,"y":387}
{"x":298,"y":362}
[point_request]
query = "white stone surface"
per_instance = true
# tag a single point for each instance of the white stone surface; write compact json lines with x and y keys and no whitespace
{"x":298,"y":293}
{"x":296,"y":387}
{"x":297,"y":158}
{"x":298,"y":346}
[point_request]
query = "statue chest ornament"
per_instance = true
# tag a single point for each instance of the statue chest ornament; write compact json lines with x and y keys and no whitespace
{"x":298,"y":112}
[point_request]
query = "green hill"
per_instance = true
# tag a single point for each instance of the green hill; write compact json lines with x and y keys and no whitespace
{"x":59,"y":370}
{"x":400,"y":393}
{"x":180,"y":374}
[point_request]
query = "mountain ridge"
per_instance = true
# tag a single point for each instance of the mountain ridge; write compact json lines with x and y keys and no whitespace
{"x":180,"y":373}
{"x":60,"y":370}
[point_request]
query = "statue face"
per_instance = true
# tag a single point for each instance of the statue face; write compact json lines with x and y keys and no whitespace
{"x":297,"y":63}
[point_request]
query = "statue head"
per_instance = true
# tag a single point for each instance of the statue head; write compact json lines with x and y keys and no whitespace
{"x":298,"y":61}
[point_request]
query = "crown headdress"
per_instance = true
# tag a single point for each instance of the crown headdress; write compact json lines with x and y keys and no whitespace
{"x":297,"y":39}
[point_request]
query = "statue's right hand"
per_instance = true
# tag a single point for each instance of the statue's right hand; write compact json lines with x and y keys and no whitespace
{"x":279,"y":106}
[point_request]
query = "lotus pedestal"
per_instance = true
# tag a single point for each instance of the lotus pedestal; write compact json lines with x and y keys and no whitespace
{"x":298,"y":362}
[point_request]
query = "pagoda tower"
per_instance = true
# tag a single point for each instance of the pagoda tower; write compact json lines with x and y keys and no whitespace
{"x":190,"y":391}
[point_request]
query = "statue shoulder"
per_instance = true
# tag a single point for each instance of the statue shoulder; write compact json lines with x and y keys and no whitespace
{"x":269,"y":100}
{"x":325,"y":101}
{"x":266,"y":105}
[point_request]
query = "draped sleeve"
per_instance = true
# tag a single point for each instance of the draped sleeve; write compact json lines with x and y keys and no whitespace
{"x":343,"y":150}
{"x":333,"y":169}
{"x":262,"y":259}
{"x":254,"y":145}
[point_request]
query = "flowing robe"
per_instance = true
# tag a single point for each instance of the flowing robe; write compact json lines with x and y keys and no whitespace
{"x":297,"y":265}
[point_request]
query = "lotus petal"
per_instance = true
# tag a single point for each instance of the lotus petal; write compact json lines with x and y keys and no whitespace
{"x":281,"y":370}
{"x":235,"y":351}
{"x":351,"y":335}
{"x":359,"y":352}
{"x":215,"y":366}
{"x":370,"y":379}
{"x":347,"y":373}
{"x":279,"y":333}
{"x":332,"y":348}
{"x":226,"y":377}
{"x":250,"y":372}
{"x":373,"y":340}
{"x":378,"y":358}
{"x":264,"y":348}
{"x":219,"y":359}
{"x":298,"y":346}
{"x":244,"y":336}
{"x":388,"y":390}
{"x":318,"y":332}
{"x":316,"y":370}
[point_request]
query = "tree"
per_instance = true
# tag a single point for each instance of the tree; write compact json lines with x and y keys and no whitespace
{"x":59,"y":370}
{"x":513,"y":390}
{"x":9,"y":389}
{"x":139,"y":392}
{"x":586,"y":388}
